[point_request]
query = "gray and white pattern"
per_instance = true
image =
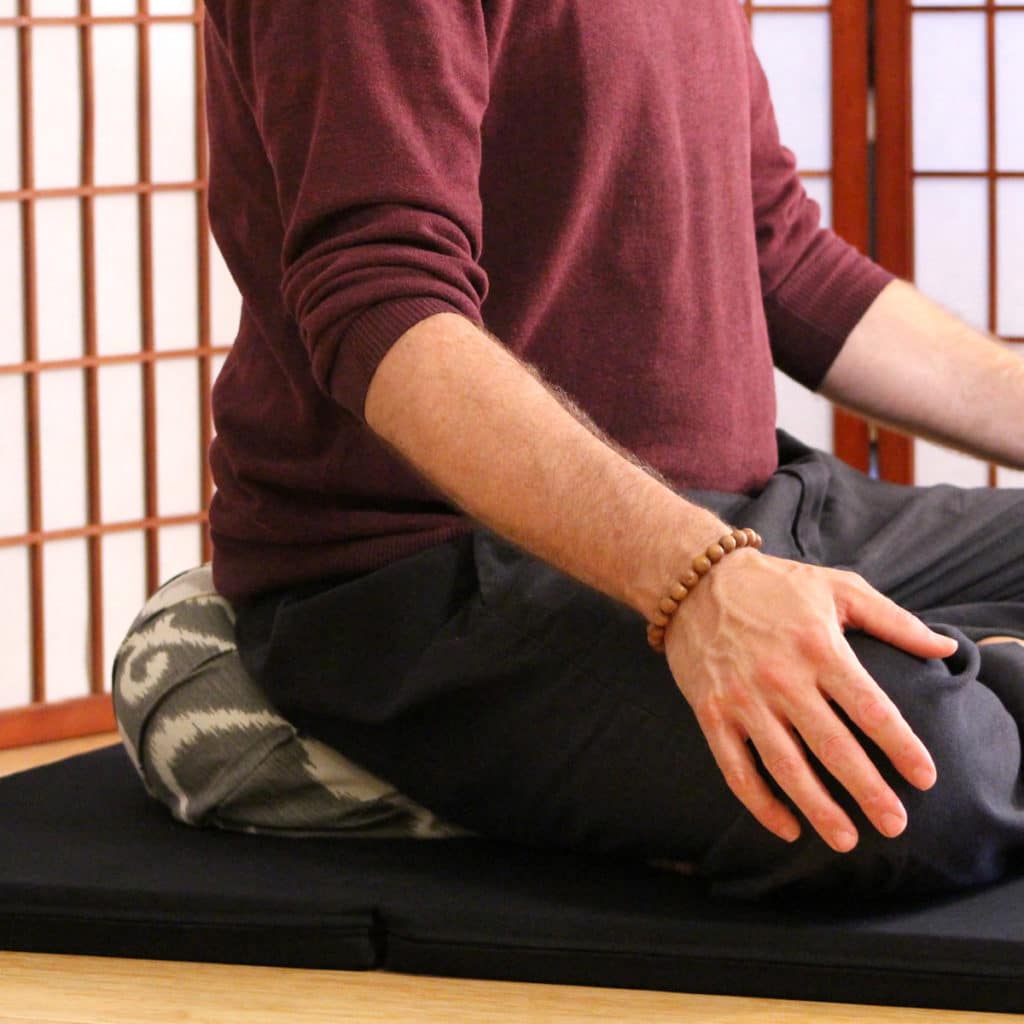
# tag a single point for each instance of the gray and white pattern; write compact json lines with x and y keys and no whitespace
{"x":207,"y":743}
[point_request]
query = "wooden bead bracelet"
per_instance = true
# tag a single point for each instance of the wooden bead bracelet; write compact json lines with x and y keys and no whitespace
{"x":743,"y":538}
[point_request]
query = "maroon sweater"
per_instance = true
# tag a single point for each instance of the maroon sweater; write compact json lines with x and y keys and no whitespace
{"x":598,"y":182}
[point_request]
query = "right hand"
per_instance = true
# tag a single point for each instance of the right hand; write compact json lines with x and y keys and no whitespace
{"x":758,"y":651}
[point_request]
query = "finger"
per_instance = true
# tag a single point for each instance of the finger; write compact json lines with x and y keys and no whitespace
{"x":737,"y":766}
{"x":786,"y":763}
{"x":840,"y":752}
{"x":1000,"y":640}
{"x":865,"y":608}
{"x":871,"y":709}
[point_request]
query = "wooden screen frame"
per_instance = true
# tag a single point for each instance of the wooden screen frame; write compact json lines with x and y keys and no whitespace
{"x":896,"y":173}
{"x":41,"y":721}
{"x":851,"y":168}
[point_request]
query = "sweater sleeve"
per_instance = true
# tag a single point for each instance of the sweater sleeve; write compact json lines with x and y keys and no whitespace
{"x":816,"y":287}
{"x":370,"y":114}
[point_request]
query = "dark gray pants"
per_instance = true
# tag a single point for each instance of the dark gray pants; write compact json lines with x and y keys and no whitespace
{"x":517,"y":702}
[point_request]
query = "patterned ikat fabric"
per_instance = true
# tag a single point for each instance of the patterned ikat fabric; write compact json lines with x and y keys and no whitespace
{"x":208,"y":744}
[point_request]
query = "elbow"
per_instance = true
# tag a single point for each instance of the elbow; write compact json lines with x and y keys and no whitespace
{"x":353,"y":293}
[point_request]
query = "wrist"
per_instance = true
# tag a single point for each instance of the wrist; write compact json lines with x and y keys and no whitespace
{"x":732,"y":542}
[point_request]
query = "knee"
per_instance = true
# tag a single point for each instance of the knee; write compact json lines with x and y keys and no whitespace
{"x":958,"y":831}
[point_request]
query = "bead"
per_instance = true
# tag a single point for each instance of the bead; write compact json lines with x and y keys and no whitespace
{"x":656,"y":637}
{"x":702,"y":565}
{"x":715,"y":553}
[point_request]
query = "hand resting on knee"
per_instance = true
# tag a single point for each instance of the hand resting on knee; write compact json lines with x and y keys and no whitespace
{"x":758,"y":651}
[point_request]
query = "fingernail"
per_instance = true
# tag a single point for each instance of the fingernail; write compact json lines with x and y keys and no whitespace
{"x":925,"y":776}
{"x":893,"y":824}
{"x":790,"y":832}
{"x":844,"y":841}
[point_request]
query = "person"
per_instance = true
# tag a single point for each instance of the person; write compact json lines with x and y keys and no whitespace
{"x":514,"y":277}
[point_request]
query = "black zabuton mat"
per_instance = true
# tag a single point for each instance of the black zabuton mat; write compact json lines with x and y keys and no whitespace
{"x":89,"y":864}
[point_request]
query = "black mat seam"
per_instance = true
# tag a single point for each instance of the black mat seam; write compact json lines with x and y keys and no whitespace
{"x":958,"y":968}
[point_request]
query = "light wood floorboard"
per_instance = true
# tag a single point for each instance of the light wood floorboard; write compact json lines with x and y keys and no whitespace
{"x":49,"y":989}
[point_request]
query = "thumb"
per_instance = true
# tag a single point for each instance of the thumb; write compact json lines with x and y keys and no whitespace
{"x":874,"y":613}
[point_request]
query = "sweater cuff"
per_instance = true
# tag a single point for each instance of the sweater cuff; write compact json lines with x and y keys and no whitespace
{"x":369,"y":338}
{"x":813,"y":312}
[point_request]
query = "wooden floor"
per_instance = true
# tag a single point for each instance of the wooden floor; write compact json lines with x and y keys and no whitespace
{"x":44,"y":989}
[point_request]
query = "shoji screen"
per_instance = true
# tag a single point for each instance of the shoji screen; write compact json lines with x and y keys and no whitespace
{"x":951,"y":177}
{"x":115,"y":312}
{"x":816,"y":58}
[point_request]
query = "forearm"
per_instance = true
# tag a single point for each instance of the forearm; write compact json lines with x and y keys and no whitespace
{"x":492,"y":436}
{"x":911,"y":365}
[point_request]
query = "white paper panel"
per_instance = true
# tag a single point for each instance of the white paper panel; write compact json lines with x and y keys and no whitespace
{"x":820,"y":190}
{"x":59,"y":278}
{"x":1010,"y":91}
{"x":951,"y":243}
{"x":935,"y":465}
{"x":113,"y":8}
{"x":801,"y":89}
{"x":10,"y":172}
{"x":124,"y":588}
{"x":55,"y":97}
{"x":66,"y":614}
{"x":176,"y":304}
{"x":118,"y":301}
{"x":225,"y":300}
{"x":54,"y":8}
{"x":122,"y":473}
{"x":1010,"y":478}
{"x":180,"y":549}
{"x":1011,"y":257}
{"x":172,"y":77}
{"x":62,"y":448}
{"x":12,"y":338}
{"x":804,"y":414}
{"x":178,"y":456}
{"x":950,"y":109}
{"x":8,"y":8}
{"x":789,"y":3}
{"x":13,"y":463}
{"x":171,"y":6}
{"x":114,"y":74}
{"x":15,"y":629}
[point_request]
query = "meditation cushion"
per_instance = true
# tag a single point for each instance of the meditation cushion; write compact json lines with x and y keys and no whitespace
{"x":208,"y":744}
